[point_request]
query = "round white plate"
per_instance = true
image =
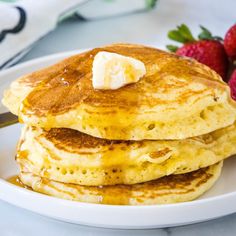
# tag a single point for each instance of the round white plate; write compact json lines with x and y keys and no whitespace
{"x":219,"y":201}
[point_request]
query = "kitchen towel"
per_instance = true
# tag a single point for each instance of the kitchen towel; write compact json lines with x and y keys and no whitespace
{"x":23,"y":23}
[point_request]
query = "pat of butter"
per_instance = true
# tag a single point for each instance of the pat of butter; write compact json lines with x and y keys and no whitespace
{"x":113,"y":71}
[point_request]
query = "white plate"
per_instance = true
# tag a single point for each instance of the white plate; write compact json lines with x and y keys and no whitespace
{"x":219,"y":201}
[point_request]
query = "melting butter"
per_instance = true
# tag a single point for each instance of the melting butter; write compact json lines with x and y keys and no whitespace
{"x":113,"y":71}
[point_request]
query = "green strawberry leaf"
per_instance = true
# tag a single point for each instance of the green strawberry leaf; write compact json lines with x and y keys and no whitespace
{"x":172,"y":48}
{"x":205,"y":34}
{"x":185,"y":32}
{"x":176,"y":36}
{"x":182,"y":34}
{"x":218,"y":38}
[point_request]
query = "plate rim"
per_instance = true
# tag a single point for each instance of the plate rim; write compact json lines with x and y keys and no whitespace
{"x":40,"y":60}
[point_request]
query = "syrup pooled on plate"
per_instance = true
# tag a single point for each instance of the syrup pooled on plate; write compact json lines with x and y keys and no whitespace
{"x":16,"y":181}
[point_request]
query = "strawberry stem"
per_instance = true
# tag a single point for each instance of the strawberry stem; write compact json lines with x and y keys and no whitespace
{"x":172,"y":48}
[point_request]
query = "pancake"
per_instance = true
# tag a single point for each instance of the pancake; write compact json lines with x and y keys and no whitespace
{"x":170,"y":189}
{"x":70,"y":156}
{"x":176,"y":99}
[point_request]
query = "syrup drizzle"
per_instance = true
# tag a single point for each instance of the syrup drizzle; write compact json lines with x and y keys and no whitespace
{"x":17,"y":182}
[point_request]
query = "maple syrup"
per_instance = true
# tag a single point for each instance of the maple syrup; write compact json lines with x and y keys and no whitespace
{"x":16,"y":181}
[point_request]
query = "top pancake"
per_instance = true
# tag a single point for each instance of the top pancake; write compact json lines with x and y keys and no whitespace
{"x":176,"y":99}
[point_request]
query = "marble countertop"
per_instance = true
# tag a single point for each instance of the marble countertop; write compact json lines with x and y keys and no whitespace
{"x":148,"y":28}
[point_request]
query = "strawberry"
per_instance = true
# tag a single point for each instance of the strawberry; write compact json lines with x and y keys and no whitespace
{"x":208,"y":52}
{"x":207,"y":49}
{"x":230,"y":42}
{"x":232,"y":84}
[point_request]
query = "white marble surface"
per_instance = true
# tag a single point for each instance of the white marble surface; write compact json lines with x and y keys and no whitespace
{"x":149,"y":28}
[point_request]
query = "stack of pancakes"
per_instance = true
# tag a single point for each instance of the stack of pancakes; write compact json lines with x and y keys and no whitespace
{"x":160,"y":140}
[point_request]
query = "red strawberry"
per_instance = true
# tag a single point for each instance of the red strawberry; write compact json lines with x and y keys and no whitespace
{"x":207,"y":49}
{"x":208,"y":52}
{"x":232,"y":84}
{"x":230,"y":42}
